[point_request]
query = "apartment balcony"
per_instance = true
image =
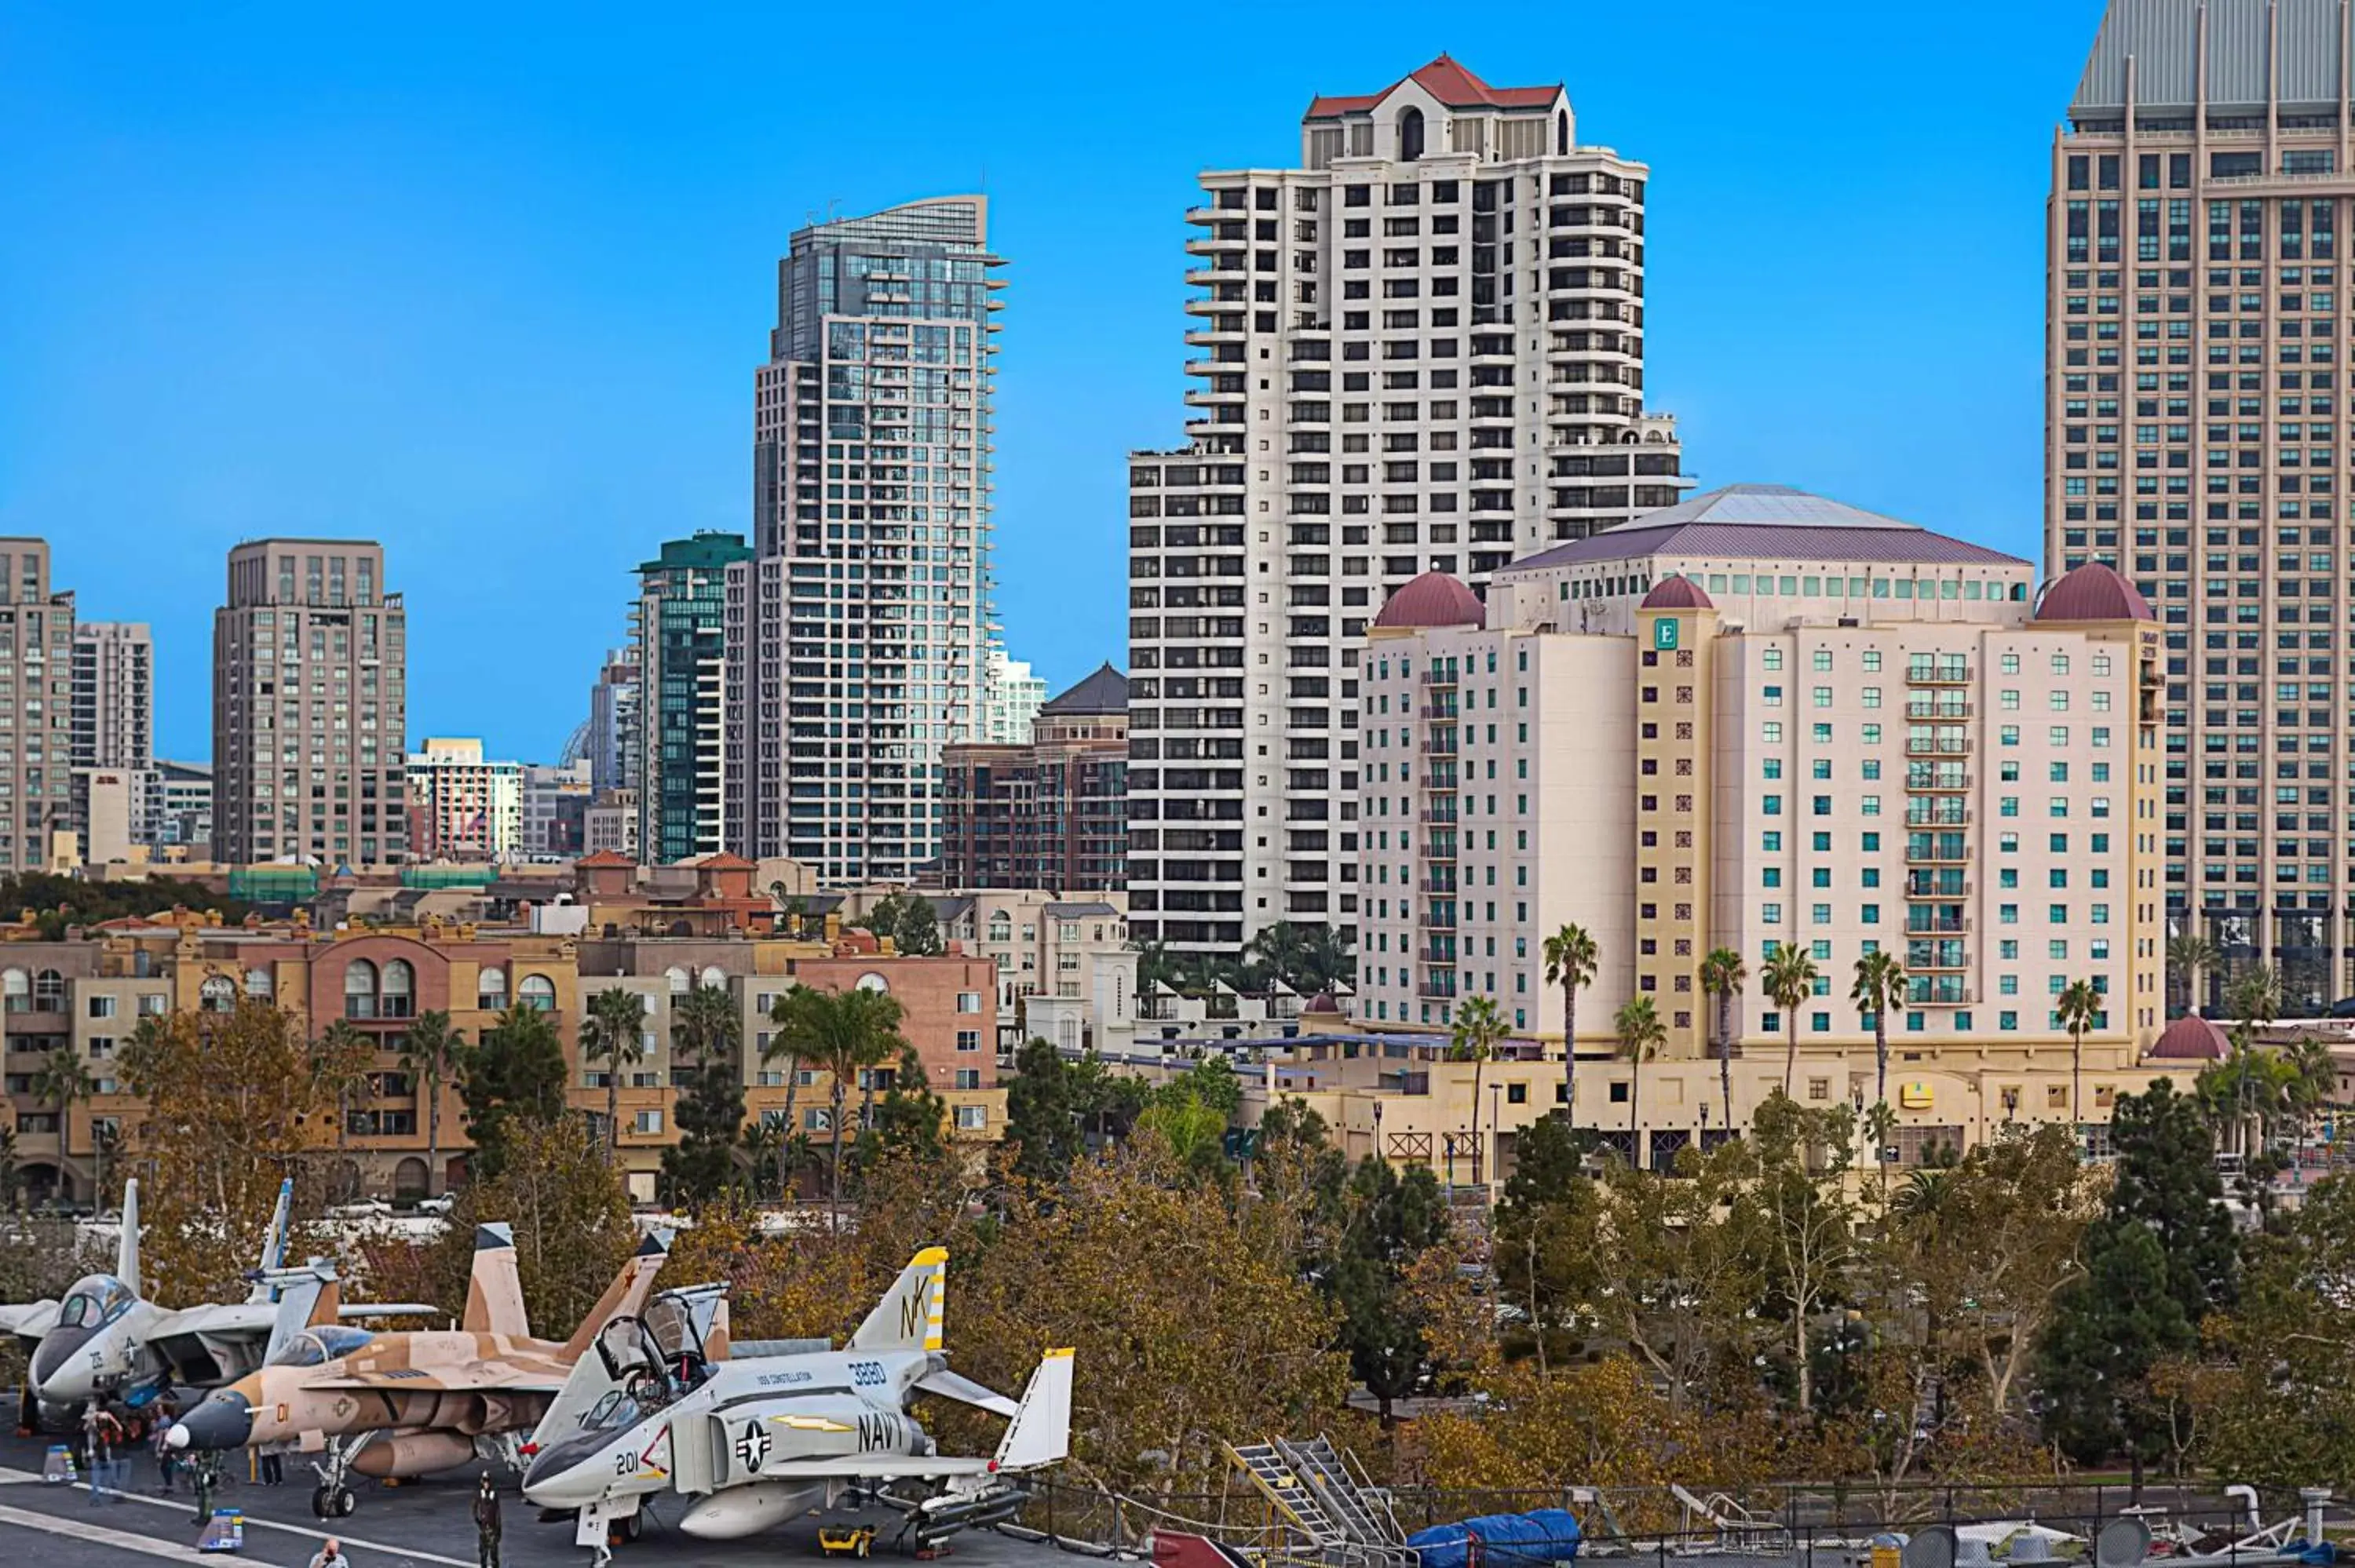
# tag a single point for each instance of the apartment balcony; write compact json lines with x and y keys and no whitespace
{"x":1937,"y":814}
{"x":1441,"y":816}
{"x":1939,"y":745}
{"x":1437,"y":678}
{"x":1438,"y":781}
{"x":1940,"y":710}
{"x":1934,"y":889}
{"x":1434,"y":920}
{"x":1435,"y":953}
{"x":1438,"y":712}
{"x":1951,"y":674}
{"x":1919,"y":924}
{"x":1434,"y":745}
{"x":1939,"y":781}
{"x":1211,"y":245}
{"x":1437,"y":990}
{"x":1440,"y":848}
{"x":1439,"y":886}
{"x":1937,"y":854}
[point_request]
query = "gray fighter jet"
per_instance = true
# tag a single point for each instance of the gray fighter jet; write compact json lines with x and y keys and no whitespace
{"x":757,"y":1440}
{"x":105,"y":1338}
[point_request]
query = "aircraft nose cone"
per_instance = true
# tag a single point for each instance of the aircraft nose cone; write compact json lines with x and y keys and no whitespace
{"x":58,"y":1372}
{"x":224,"y":1420}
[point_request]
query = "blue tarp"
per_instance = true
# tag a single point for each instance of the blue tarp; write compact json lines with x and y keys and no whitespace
{"x":1500,"y":1541}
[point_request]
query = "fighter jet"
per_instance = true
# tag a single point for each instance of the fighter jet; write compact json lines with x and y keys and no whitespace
{"x":403,"y":1404}
{"x":105,"y":1338}
{"x":758,"y":1440}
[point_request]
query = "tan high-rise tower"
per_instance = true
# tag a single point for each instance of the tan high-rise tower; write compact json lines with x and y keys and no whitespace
{"x":2196,"y":391}
{"x":36,"y":628}
{"x":309,"y":707}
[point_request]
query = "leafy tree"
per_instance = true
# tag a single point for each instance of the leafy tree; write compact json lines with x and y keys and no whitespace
{"x":1571,"y":958}
{"x":1473,"y":1037}
{"x":1802,"y":1160}
{"x":842,"y":1033}
{"x":1043,"y":1113}
{"x":2166,"y":1179}
{"x":514,"y":1077}
{"x":706,"y":1031}
{"x":2191,"y":955}
{"x":2110,"y":1328}
{"x":1723,"y":975}
{"x":232,"y":1103}
{"x":909,"y":919}
{"x":57,"y":902}
{"x":1392,"y":1221}
{"x":1879,"y":986}
{"x":614,"y":1033}
{"x":429,"y":1055}
{"x":908,"y":1123}
{"x":1308,"y":959}
{"x":555,"y":1186}
{"x":1789,"y":979}
{"x":2079,"y":1008}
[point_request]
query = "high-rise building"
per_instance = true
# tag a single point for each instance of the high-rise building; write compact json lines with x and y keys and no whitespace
{"x":37,"y":648}
{"x":857,"y":635}
{"x":309,"y":707}
{"x":1423,"y":350}
{"x":179,"y":809}
{"x":2193,"y":441}
{"x":613,"y":711}
{"x":1011,"y":697}
{"x":1050,"y":813}
{"x":463,"y":806}
{"x":556,"y":809}
{"x":681,"y":597}
{"x":114,"y":696}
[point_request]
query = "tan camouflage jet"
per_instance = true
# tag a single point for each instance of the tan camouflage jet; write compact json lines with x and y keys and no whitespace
{"x":404,"y":1404}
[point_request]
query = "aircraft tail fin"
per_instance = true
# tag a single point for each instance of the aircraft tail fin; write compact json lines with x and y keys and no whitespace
{"x":307,"y":1296}
{"x":126,"y":1245}
{"x":626,"y":1297}
{"x":273,"y":1244}
{"x":1041,"y":1432}
{"x":715,"y":1339}
{"x":494,"y":1293}
{"x":910,"y":1315}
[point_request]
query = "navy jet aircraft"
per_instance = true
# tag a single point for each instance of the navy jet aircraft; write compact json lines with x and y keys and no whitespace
{"x":758,"y":1440}
{"x":105,"y":1338}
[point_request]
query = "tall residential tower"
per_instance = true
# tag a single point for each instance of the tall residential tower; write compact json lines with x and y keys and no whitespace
{"x":856,"y":637}
{"x":1420,"y":351}
{"x":681,"y":659}
{"x":36,"y":628}
{"x":309,"y":707}
{"x":2194,"y":442}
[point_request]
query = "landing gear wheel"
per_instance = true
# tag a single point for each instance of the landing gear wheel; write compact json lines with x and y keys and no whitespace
{"x":345,"y":1502}
{"x":621,"y":1532}
{"x":321,"y":1502}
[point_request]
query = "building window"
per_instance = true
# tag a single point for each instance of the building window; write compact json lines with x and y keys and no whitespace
{"x":537,"y":992}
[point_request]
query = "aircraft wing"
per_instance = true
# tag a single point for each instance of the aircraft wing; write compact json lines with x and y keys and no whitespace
{"x":29,"y":1320}
{"x":876,"y":1465}
{"x":948,"y":1385}
{"x":202,"y":1344}
{"x":467,"y":1377}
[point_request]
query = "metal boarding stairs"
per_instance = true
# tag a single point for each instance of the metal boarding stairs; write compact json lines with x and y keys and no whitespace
{"x":1321,"y":1496}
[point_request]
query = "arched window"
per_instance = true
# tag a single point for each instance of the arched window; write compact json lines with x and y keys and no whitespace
{"x":218,"y":994}
{"x":397,"y":997}
{"x":359,"y":988}
{"x":259,"y":984}
{"x":872,"y":982}
{"x":1410,"y":135}
{"x":1001,"y":930}
{"x":1562,"y":133}
{"x":491,"y":988}
{"x":714,"y":976}
{"x":681,"y":983}
{"x":48,"y":992}
{"x":16,"y":988}
{"x":537,"y":992}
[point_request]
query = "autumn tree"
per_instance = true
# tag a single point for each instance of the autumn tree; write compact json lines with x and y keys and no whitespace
{"x":1809,"y":1219}
{"x":231,"y":1104}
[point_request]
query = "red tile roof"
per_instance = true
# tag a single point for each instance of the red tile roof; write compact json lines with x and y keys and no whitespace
{"x":2191,"y":1038}
{"x":724,"y":861}
{"x":1675,"y":592}
{"x":2094,"y":592}
{"x":603,"y":858}
{"x":1434,"y":598}
{"x":1446,"y":81}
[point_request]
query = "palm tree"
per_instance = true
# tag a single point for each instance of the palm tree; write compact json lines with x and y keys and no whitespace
{"x":343,"y":1054}
{"x":706,"y":1023}
{"x":2191,"y":955}
{"x":2078,"y":1008}
{"x":782,"y":1043}
{"x":842,"y":1032}
{"x":63,"y":1081}
{"x":2255,"y":1002}
{"x":429,"y":1055}
{"x":1879,"y":986}
{"x":1789,"y":979}
{"x":614,"y":1033}
{"x":1722,"y":976}
{"x":1472,"y":1038}
{"x":1570,"y":957}
{"x":1641,"y":1034}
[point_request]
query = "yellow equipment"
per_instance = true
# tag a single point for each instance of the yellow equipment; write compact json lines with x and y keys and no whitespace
{"x":846,"y":1541}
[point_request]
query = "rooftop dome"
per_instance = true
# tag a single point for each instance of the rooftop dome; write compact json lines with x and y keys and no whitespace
{"x":2092,"y":592}
{"x":2191,"y":1038}
{"x":1675,"y":592}
{"x":1434,"y":598}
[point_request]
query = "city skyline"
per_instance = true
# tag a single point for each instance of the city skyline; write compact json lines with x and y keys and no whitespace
{"x":469,"y":470}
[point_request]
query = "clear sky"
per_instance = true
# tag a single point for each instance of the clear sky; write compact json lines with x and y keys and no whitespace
{"x":489,"y":282}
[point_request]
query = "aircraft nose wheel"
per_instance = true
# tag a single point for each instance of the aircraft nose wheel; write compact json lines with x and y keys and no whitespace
{"x":333,"y":1502}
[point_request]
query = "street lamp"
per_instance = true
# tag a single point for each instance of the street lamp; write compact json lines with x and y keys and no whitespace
{"x":1496,"y":1115}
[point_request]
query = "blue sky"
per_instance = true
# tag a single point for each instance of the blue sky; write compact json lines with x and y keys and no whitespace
{"x":489,"y":282}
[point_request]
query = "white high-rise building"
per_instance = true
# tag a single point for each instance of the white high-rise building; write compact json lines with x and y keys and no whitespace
{"x":1011,"y":697}
{"x":1421,"y":351}
{"x":856,"y":637}
{"x":114,"y":696}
